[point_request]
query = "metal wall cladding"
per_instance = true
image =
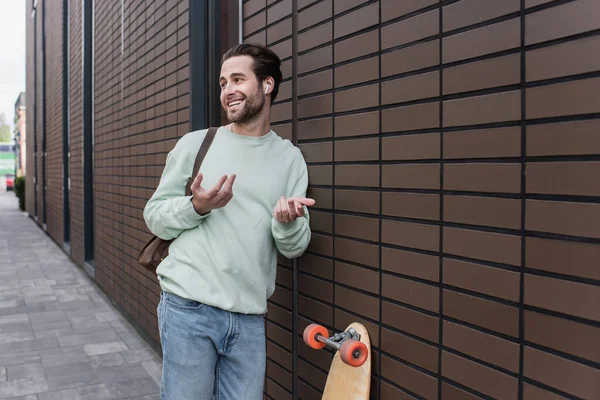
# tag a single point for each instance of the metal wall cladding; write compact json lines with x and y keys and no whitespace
{"x":453,"y":152}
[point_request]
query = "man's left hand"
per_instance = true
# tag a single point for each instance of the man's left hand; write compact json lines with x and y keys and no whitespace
{"x":287,"y":210}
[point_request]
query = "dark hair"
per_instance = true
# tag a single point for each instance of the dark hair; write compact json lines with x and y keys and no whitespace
{"x":266,"y":63}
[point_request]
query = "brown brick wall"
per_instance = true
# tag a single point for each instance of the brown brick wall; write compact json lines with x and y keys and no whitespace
{"x":142,"y":108}
{"x":453,"y":153}
{"x":108,"y":143}
{"x":39,"y":114}
{"x":76,"y":129}
{"x":30,"y":93}
{"x":54,"y":120}
{"x":419,"y":121}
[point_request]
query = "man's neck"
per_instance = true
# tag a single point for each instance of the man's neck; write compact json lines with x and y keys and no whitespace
{"x":253,"y":128}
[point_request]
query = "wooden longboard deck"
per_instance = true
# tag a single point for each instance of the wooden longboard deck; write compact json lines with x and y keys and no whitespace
{"x":346,"y":382}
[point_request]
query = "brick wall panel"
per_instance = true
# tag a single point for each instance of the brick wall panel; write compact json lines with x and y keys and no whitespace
{"x":452,"y":168}
{"x":76,"y":129}
{"x":54,"y":120}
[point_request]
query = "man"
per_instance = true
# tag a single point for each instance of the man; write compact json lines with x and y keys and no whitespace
{"x":248,"y":202}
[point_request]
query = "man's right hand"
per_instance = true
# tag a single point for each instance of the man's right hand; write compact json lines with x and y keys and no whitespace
{"x":216,"y":197}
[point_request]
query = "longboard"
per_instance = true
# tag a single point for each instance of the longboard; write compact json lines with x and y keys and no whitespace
{"x":349,"y":376}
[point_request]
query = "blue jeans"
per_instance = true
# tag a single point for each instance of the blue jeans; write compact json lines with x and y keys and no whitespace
{"x":209,"y":353}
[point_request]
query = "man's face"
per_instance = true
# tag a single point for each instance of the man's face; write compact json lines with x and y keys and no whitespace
{"x":242,"y":96}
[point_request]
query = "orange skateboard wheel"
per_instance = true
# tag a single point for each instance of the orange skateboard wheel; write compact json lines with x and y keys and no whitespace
{"x":354,"y":353}
{"x":310,"y":335}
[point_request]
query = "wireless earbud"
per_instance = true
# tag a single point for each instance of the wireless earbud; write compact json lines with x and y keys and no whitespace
{"x":267,"y":89}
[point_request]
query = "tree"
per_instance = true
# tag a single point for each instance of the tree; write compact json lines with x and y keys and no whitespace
{"x":5,"y":134}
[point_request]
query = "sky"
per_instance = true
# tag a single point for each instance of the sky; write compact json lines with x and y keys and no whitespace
{"x":12,"y":55}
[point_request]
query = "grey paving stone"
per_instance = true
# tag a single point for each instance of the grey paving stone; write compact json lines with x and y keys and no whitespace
{"x":22,"y":309}
{"x":71,"y":298}
{"x":53,"y":333}
{"x":18,"y":336}
{"x":82,"y":320}
{"x":99,"y":327}
{"x":155,"y":396}
{"x":76,"y":305}
{"x":52,"y":326}
{"x":100,"y":301}
{"x":11,"y":295}
{"x":38,"y":290}
{"x":103,"y":348}
{"x":118,"y":373}
{"x":92,"y":392}
{"x":133,"y":341}
{"x":67,"y":290}
{"x":11,"y":303}
{"x":71,"y":375}
{"x":108,"y":316}
{"x":48,"y":320}
{"x":28,"y":345}
{"x":89,"y":337}
{"x":20,"y":358}
{"x":21,"y":387}
{"x":13,"y":319}
{"x":122,"y":326}
{"x":135,"y":387}
{"x":154,"y":370}
{"x":139,"y":355}
{"x":81,"y":326}
{"x":24,"y":371}
{"x":40,"y":299}
{"x":30,"y":273}
{"x":63,"y":356}
{"x":107,"y":360}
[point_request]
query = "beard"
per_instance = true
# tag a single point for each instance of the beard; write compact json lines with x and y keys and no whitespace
{"x":253,"y":105}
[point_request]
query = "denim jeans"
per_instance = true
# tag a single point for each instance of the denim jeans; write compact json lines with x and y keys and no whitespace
{"x":210,"y":353}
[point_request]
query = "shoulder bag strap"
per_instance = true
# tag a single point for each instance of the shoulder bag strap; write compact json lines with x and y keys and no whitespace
{"x":208,"y":139}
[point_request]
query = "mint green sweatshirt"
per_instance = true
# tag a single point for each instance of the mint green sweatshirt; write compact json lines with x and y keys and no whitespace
{"x":228,"y":257}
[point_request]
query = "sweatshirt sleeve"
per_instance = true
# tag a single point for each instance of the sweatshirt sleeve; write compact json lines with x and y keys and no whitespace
{"x":293,"y":238}
{"x":169,"y":211}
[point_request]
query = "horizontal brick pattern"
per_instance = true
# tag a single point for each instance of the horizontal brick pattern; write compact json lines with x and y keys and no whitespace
{"x":30,"y":104}
{"x":39,"y":116}
{"x":54,"y":120}
{"x":141,"y":109}
{"x":425,"y":228}
{"x":108,"y":152}
{"x":454,"y":172}
{"x":76,"y":129}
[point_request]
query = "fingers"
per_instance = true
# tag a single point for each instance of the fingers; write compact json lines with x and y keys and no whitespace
{"x":197,"y":182}
{"x":292,"y":210}
{"x":299,"y":208}
{"x":226,"y":192}
{"x":218,"y":196}
{"x":215,"y":189}
{"x":288,"y":210}
{"x":282,"y":210}
{"x":304,"y":200}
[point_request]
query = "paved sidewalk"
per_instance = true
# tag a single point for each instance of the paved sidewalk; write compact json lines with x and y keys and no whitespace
{"x":60,"y":337}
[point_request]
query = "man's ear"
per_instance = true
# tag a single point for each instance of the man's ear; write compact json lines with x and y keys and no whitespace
{"x":268,"y":85}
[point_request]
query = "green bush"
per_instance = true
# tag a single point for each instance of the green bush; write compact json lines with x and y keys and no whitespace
{"x":19,"y":187}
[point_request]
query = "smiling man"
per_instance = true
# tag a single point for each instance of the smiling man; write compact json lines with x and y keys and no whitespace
{"x":248,"y":202}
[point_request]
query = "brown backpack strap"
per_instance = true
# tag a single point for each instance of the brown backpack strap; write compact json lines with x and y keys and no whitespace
{"x":208,"y":139}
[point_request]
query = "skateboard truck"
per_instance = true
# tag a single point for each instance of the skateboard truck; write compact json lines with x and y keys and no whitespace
{"x":352,"y":351}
